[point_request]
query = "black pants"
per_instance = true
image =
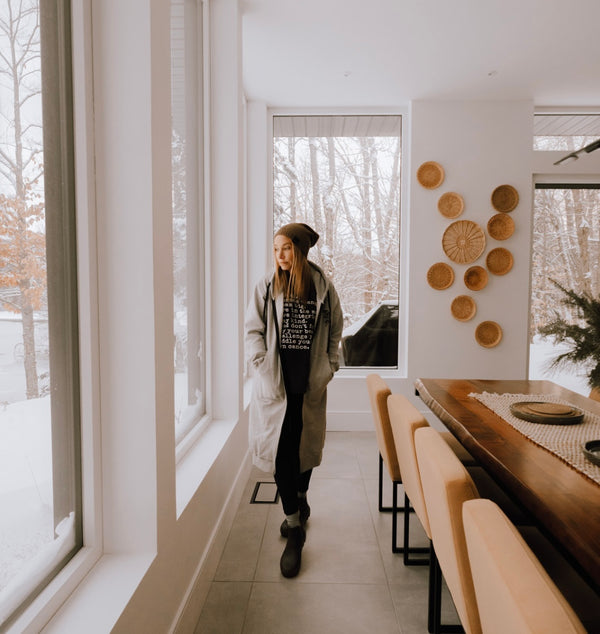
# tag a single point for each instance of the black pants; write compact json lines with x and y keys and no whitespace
{"x":288,"y":478}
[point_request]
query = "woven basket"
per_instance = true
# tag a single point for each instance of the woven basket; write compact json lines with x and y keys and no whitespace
{"x":499,"y":261}
{"x":463,"y":308}
{"x":463,"y":241}
{"x":488,"y":334}
{"x":430,"y":175}
{"x":476,"y":278}
{"x":501,"y":226}
{"x":440,"y":276}
{"x":451,"y":205}
{"x":505,"y":198}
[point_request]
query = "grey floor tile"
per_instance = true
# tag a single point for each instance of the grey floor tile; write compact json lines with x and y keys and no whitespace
{"x":341,"y":546}
{"x":350,"y":580}
{"x":225,"y":608}
{"x":239,"y":559}
{"x":307,"y":608}
{"x":339,"y":458}
{"x":410,"y":601}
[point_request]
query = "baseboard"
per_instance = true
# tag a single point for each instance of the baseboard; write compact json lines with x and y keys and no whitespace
{"x":195,"y":596}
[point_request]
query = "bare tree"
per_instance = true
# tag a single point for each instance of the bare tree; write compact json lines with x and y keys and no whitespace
{"x":23,"y":265}
{"x":348,"y":188}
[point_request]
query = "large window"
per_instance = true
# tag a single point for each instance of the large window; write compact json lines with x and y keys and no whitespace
{"x":187,"y":193}
{"x":341,"y":175}
{"x":566,"y":249}
{"x":40,"y":484}
{"x":565,"y":242}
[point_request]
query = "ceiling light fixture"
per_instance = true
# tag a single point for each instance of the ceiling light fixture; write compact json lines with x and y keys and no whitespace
{"x":573,"y":156}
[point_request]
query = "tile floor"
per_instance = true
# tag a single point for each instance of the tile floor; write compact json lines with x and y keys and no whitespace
{"x":350,"y":580}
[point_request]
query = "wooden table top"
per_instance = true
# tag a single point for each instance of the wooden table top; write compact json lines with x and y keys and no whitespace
{"x":563,"y":502}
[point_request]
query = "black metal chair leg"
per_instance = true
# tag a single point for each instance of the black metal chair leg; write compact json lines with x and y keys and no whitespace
{"x":382,"y":509}
{"x":406,"y":509}
{"x":406,"y":549}
{"x":434,"y":612}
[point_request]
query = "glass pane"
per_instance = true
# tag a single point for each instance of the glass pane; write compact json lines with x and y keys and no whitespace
{"x":187,"y":225}
{"x":566,"y":248}
{"x":565,"y":132}
{"x":40,"y":519}
{"x":345,"y":183}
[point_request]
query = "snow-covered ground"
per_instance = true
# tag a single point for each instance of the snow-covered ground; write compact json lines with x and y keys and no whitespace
{"x":26,"y":521}
{"x":541,"y":354}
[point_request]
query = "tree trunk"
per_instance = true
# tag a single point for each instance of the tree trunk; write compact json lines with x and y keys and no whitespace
{"x":316,"y":189}
{"x":291,"y":143}
{"x":31,"y":377}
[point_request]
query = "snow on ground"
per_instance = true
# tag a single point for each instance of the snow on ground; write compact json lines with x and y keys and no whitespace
{"x":541,"y":354}
{"x":26,"y":518}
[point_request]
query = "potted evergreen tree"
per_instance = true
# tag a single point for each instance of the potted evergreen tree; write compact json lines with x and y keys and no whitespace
{"x":582,"y":338}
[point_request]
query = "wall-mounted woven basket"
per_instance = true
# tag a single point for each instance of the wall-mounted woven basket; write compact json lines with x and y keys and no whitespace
{"x":451,"y":205}
{"x":430,"y":175}
{"x":488,"y":334}
{"x":501,"y":226}
{"x":463,"y":308}
{"x":505,"y":198}
{"x":440,"y":276}
{"x":476,"y":278}
{"x":463,"y":241}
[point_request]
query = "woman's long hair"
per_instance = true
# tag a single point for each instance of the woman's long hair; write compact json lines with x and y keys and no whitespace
{"x":295,"y":283}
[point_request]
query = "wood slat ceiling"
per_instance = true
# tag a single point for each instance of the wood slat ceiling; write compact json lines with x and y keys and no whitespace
{"x":337,"y":126}
{"x":566,"y":125}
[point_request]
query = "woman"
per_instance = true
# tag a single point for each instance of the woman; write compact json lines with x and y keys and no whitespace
{"x":293,"y":329}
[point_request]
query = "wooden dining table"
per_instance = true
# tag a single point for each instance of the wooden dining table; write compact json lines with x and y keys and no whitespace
{"x":563,"y":502}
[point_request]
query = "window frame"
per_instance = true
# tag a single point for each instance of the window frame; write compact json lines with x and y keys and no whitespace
{"x":196,"y":251}
{"x":350,"y":372}
{"x":61,"y":223}
{"x":581,"y":173}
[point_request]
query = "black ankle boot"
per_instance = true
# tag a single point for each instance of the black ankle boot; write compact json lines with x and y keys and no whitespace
{"x":304,"y":515}
{"x":292,"y":554}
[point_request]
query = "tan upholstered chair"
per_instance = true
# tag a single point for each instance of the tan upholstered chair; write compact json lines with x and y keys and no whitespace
{"x":405,"y":419}
{"x":378,"y":394}
{"x":595,"y":394}
{"x":446,"y":486}
{"x":514,"y":592}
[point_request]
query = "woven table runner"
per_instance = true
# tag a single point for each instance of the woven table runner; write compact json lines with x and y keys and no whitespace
{"x":565,"y":441}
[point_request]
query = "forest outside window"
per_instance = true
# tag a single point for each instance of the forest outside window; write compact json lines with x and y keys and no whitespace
{"x":341,"y":175}
{"x":40,"y":474}
{"x":187,"y":209}
{"x":566,"y":249}
{"x":565,"y":242}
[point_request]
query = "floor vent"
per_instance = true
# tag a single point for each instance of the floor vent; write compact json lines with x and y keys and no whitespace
{"x":265,"y":493}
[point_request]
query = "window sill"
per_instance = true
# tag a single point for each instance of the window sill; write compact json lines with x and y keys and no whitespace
{"x":194,"y":465}
{"x":99,"y":598}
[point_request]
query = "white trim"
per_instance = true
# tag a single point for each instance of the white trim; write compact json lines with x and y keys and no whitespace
{"x":43,"y":607}
{"x":197,"y":590}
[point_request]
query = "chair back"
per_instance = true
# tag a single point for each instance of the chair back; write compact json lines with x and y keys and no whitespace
{"x":405,"y":419}
{"x":446,"y":486}
{"x":378,"y":394}
{"x":514,"y":592}
{"x":595,"y":394}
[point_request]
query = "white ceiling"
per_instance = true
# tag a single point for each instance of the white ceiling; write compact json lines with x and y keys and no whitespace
{"x":382,"y":53}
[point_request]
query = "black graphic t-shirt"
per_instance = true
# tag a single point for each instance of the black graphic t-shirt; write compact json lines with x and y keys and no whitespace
{"x":297,"y":330}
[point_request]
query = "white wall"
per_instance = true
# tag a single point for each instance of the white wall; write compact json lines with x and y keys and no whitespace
{"x":480,"y":145}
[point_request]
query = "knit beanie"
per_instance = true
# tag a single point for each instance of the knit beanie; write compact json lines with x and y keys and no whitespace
{"x":300,"y":234}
